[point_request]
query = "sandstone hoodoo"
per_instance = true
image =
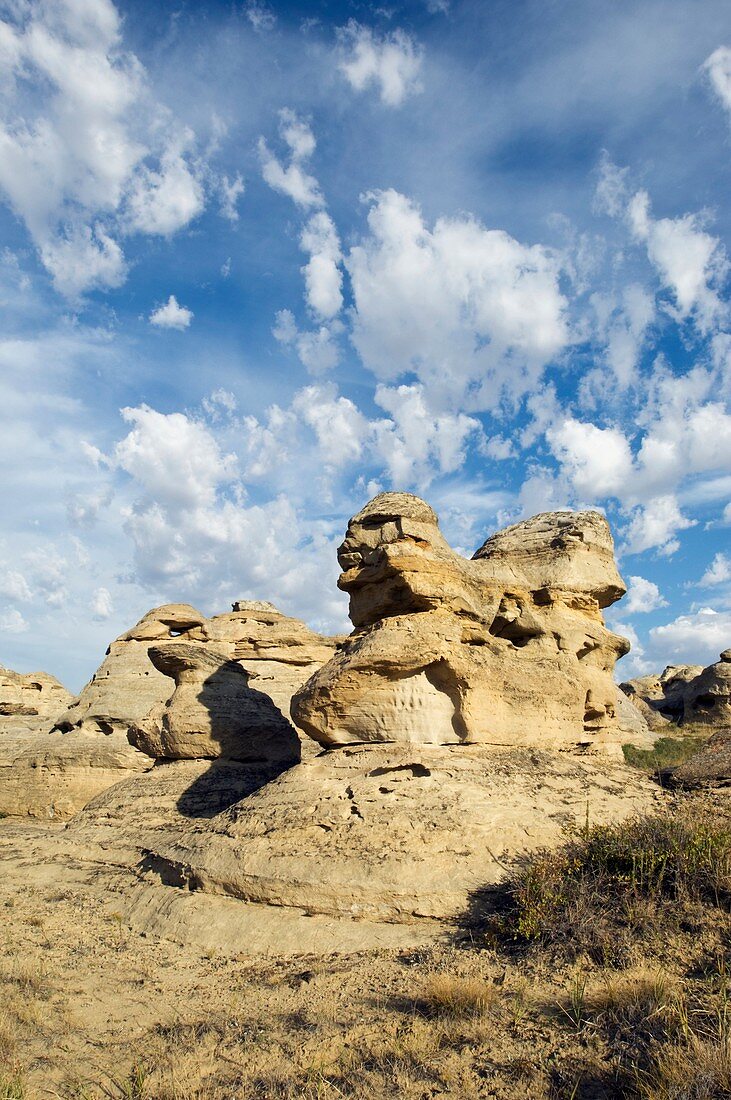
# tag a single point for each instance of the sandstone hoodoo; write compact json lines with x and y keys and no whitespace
{"x":34,"y":698}
{"x":457,"y":721}
{"x":508,"y":648}
{"x":213,"y":712}
{"x":685,"y":695}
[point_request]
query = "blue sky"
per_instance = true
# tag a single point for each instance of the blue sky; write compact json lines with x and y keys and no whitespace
{"x":259,"y":261}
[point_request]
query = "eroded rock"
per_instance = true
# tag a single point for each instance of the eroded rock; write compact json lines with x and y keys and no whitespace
{"x":213,"y":711}
{"x":507,"y":648}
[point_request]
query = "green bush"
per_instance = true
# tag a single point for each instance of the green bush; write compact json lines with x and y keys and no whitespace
{"x":667,"y":752}
{"x":617,"y":875}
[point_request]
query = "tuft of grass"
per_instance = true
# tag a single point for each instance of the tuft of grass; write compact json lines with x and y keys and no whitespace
{"x":667,"y":752}
{"x":611,"y":880}
{"x":11,"y":1088}
{"x":455,"y":996}
{"x":696,"y":1070}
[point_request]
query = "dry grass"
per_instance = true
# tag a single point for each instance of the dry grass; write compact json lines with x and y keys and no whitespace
{"x":455,"y":996}
{"x":696,"y":1070}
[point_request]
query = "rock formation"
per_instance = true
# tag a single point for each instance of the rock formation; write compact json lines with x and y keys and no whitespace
{"x":126,"y":685}
{"x":507,"y":648}
{"x":685,"y":695}
{"x":94,"y":739}
{"x":707,"y":698}
{"x":34,"y":695}
{"x":443,"y":714}
{"x":213,"y":712}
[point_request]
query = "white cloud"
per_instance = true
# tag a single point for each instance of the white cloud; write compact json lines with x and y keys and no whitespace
{"x":598,"y":460}
{"x":230,"y":192}
{"x":416,"y":443}
{"x":85,"y":152}
{"x":718,"y":572}
{"x":13,"y":586}
{"x":317,"y":349}
{"x":464,"y":307}
{"x":642,"y":596}
{"x":391,"y":63}
{"x":655,"y":524}
{"x":624,"y":328}
{"x":101,"y":604}
{"x":175,"y":459}
{"x":171,"y":315}
{"x":689,"y":261}
{"x":695,"y":638}
{"x":718,"y":69}
{"x":340,"y":428}
{"x":292,"y":179}
{"x":12,"y":622}
{"x":166,"y":200}
{"x":261,"y":16}
{"x":323,"y":278}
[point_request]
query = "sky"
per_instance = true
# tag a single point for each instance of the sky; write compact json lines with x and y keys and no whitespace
{"x":260,"y":261}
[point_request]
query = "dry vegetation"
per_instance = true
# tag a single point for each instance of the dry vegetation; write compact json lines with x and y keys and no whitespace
{"x":602,"y":970}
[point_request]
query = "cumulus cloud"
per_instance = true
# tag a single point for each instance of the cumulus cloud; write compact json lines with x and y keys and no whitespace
{"x":101,"y":604}
{"x":467,"y":309}
{"x":695,"y":638}
{"x":642,"y":596}
{"x":86,"y":154}
{"x":14,"y":586}
{"x":171,"y":315}
{"x":175,"y":459}
{"x":718,"y":572}
{"x":261,"y":16}
{"x":292,"y":179}
{"x":689,"y":262}
{"x":230,"y":191}
{"x":391,"y":62}
{"x":597,"y":460}
{"x":12,"y":622}
{"x":655,"y":525}
{"x":323,"y":278}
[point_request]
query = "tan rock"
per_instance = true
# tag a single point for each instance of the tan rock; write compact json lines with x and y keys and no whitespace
{"x":213,"y":711}
{"x":127,"y":685}
{"x":508,"y":648}
{"x":34,"y":695}
{"x":707,"y":697}
{"x":395,"y":833}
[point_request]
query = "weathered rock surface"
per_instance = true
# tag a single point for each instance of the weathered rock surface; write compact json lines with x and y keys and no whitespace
{"x":91,"y":746}
{"x":508,"y":648}
{"x":707,"y":698}
{"x":213,"y":711}
{"x":33,"y":696}
{"x":127,"y":685}
{"x":394,"y":833}
{"x":687,"y":695}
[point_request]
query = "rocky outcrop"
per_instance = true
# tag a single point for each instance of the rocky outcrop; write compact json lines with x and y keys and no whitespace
{"x":127,"y":685}
{"x":33,"y":695}
{"x":213,"y":712}
{"x":230,"y":688}
{"x":394,"y":833}
{"x":685,"y":695}
{"x":707,"y":698}
{"x":508,"y":648}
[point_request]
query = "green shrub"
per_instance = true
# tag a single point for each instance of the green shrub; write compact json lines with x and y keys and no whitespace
{"x":617,"y":875}
{"x":667,"y":752}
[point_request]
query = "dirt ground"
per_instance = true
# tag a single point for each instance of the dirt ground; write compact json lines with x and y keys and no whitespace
{"x":91,"y":1008}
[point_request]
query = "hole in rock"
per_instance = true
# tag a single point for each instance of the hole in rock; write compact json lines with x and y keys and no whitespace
{"x":417,"y":770}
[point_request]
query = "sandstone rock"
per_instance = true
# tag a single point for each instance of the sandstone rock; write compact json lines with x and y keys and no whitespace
{"x":56,"y":774}
{"x":33,"y":695}
{"x":394,"y":833}
{"x":213,"y":711}
{"x":127,"y":685}
{"x":508,"y":648}
{"x":707,"y":697}
{"x":278,"y":652}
